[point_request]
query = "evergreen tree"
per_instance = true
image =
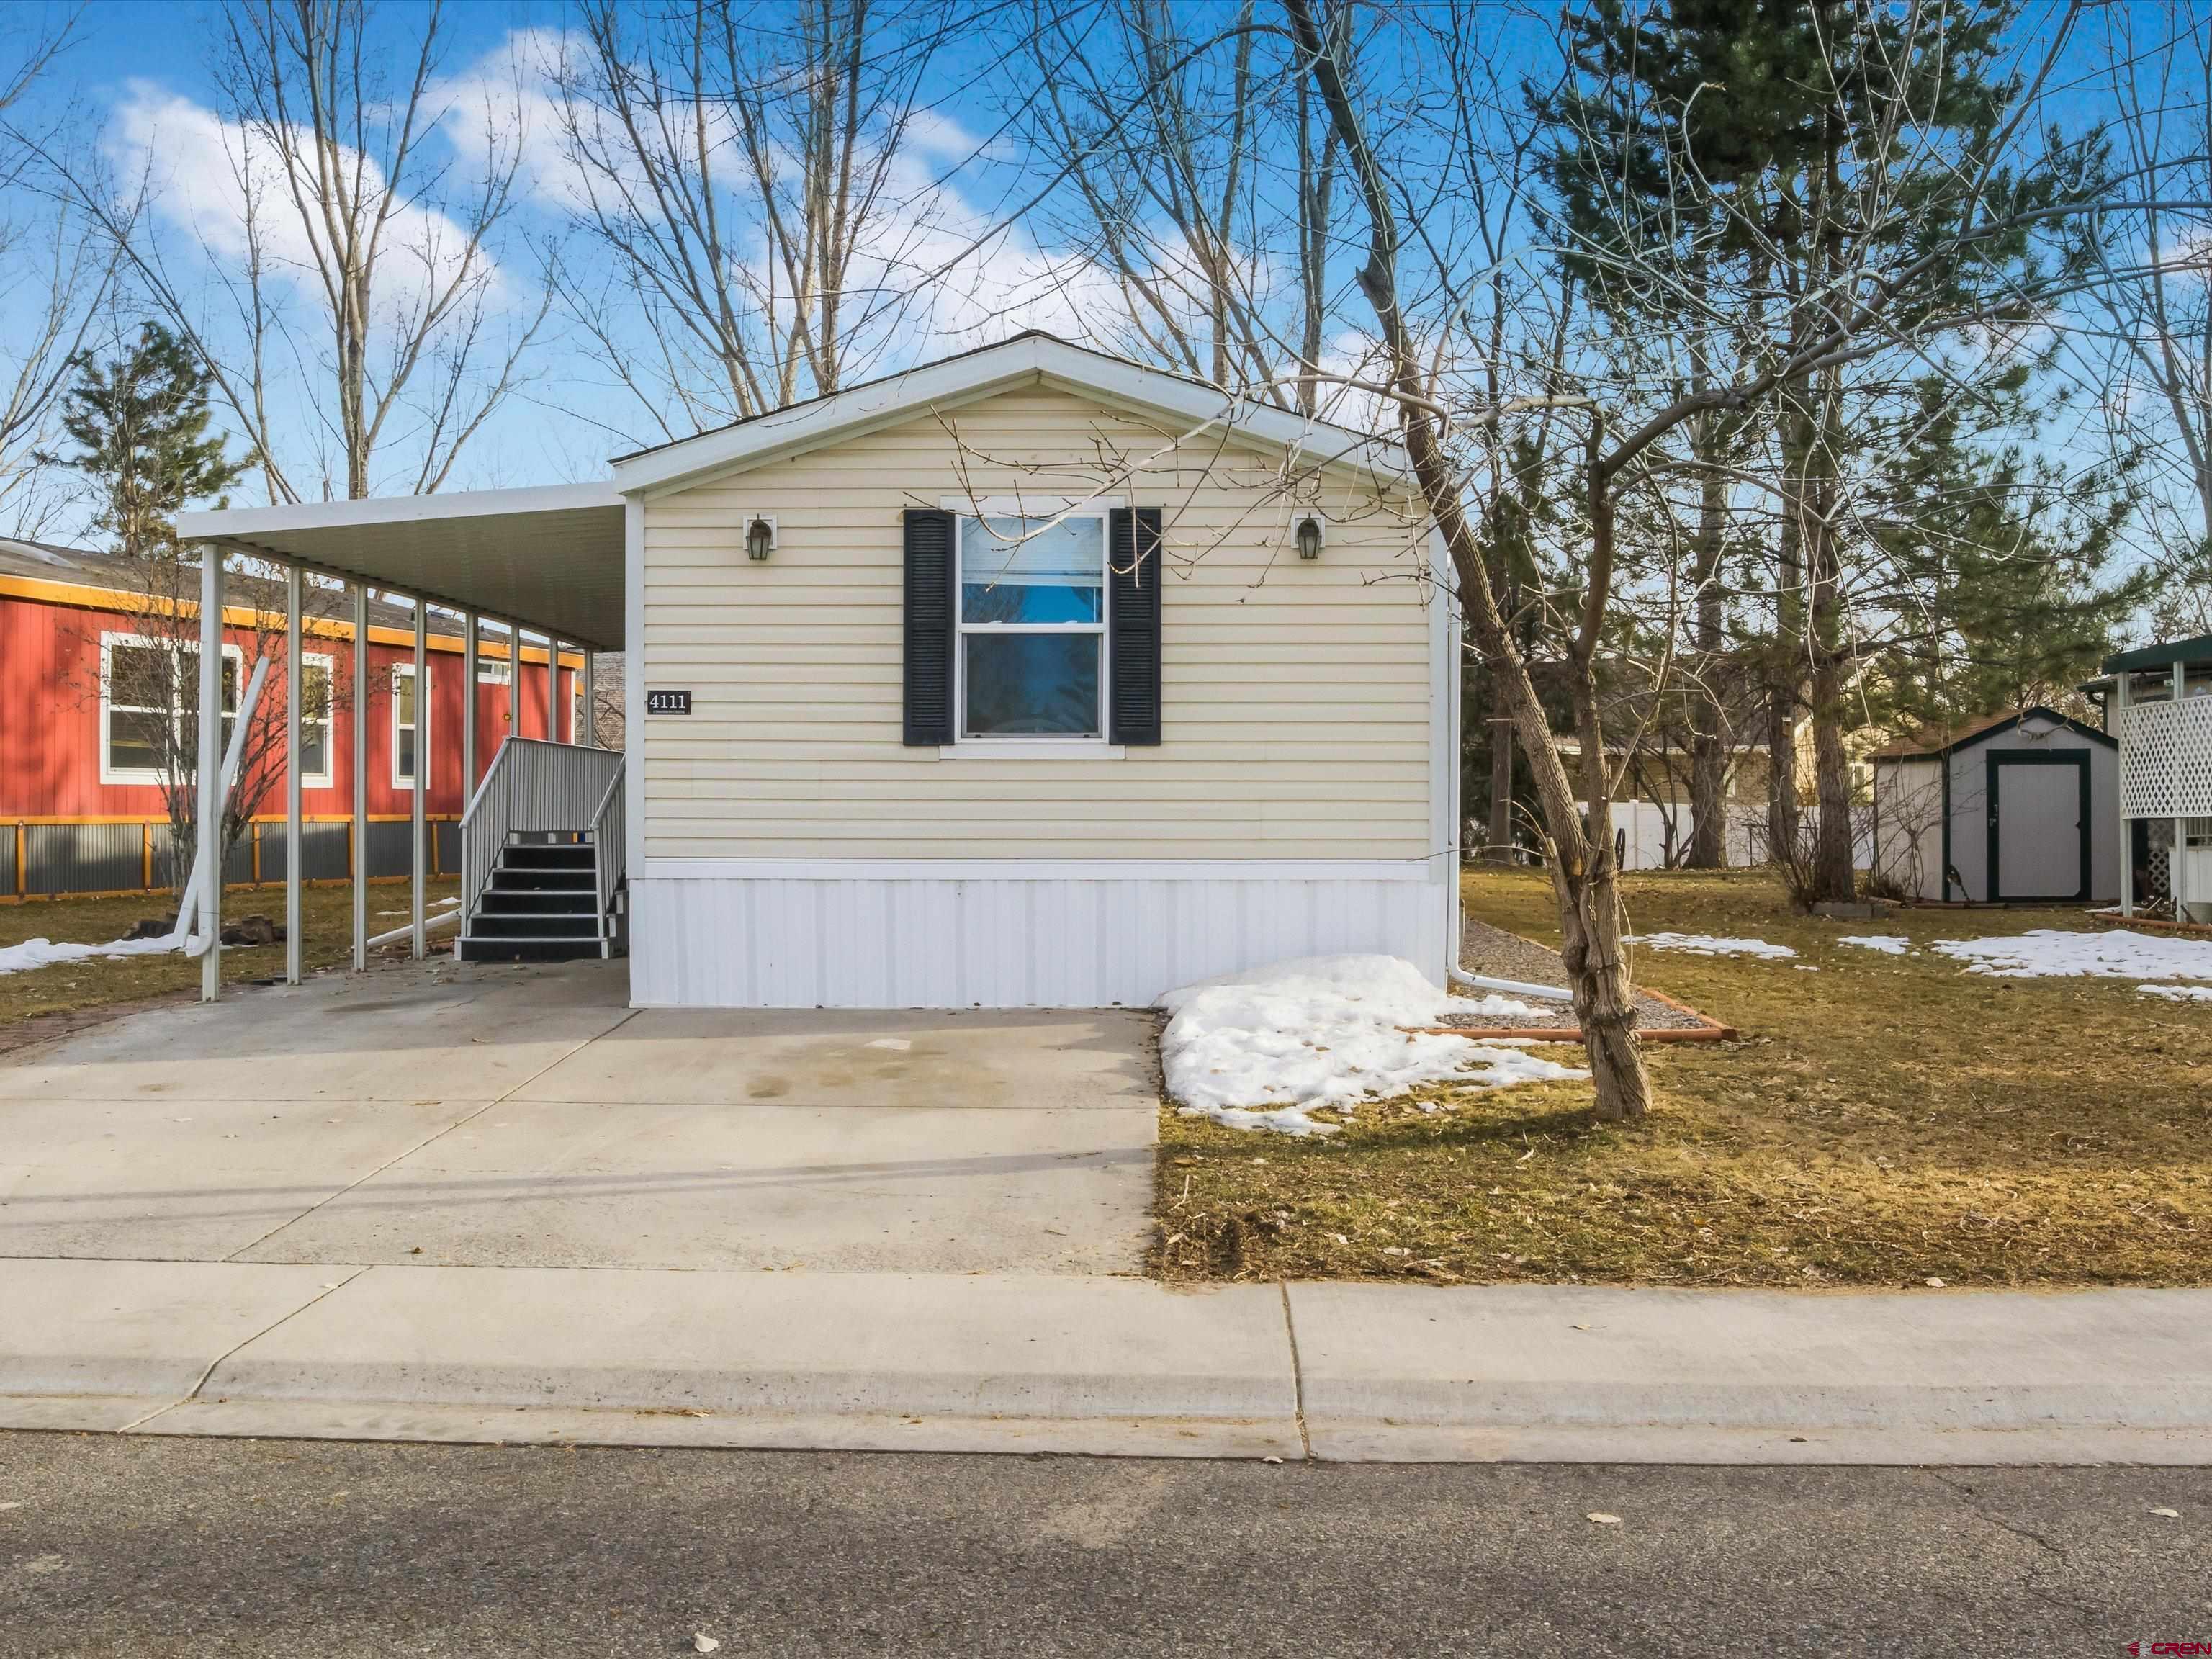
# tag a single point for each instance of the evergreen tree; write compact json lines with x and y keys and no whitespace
{"x":1998,"y":564}
{"x":141,"y":422}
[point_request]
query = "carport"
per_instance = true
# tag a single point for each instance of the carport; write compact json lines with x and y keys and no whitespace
{"x":545,"y":562}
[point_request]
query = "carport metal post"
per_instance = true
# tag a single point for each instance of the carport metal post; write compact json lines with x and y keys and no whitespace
{"x":294,"y":689}
{"x":469,"y":629}
{"x":421,"y":781}
{"x":360,"y":777}
{"x":553,"y":688}
{"x":208,"y":760}
{"x":2127,"y":825}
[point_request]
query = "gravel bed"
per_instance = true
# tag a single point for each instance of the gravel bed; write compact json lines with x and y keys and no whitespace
{"x":1500,"y":955}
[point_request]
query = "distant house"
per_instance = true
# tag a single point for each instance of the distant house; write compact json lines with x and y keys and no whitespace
{"x":81,"y":806}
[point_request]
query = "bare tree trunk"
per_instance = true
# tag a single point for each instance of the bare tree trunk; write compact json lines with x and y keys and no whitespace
{"x":1501,"y":780}
{"x":1584,"y":880}
{"x":1708,"y":741}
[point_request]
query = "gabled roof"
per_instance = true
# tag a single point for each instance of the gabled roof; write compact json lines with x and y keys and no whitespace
{"x":1032,"y":356}
{"x":1932,"y":746}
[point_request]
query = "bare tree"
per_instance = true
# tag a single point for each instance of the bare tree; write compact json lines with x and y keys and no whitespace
{"x":59,"y":276}
{"x":1889,"y":289}
{"x":753,"y":184}
{"x":2153,"y":356}
{"x":1175,"y":186}
{"x":333,"y":201}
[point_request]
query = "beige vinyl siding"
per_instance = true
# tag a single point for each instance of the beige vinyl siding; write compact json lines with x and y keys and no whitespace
{"x":1296,"y":697}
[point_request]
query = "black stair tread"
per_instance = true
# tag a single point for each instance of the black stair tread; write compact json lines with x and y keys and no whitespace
{"x":529,"y":950}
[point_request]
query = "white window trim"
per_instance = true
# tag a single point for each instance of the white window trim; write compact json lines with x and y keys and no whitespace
{"x":329,"y":664}
{"x":1040,"y":746}
{"x":1087,"y":749}
{"x":400,"y":779}
{"x":109,"y":774}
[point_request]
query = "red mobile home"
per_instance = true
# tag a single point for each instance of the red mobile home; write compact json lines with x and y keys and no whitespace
{"x":78,"y":788}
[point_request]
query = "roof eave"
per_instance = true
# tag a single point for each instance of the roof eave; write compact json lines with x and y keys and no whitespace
{"x":964,"y":379}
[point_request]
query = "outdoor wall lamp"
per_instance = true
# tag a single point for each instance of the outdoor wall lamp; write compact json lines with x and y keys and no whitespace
{"x":1309,"y":538}
{"x":760,"y":540}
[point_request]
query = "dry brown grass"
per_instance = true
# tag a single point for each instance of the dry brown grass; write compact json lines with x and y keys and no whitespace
{"x":37,"y":1002}
{"x":1882,"y":1121}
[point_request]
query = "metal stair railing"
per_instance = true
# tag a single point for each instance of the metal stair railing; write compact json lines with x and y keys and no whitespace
{"x":610,"y":842}
{"x":532,"y":789}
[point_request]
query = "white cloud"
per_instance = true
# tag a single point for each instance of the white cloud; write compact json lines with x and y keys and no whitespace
{"x":223,"y":183}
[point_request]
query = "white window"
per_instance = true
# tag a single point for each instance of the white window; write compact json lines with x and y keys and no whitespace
{"x":492,"y":672}
{"x":317,"y":674}
{"x":149,"y":698}
{"x":403,"y":725}
{"x":1031,"y":662}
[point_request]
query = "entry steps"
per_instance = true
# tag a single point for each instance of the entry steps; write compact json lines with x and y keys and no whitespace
{"x":543,"y":905}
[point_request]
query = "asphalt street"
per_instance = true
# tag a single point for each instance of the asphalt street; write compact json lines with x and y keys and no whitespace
{"x":149,"y":1546}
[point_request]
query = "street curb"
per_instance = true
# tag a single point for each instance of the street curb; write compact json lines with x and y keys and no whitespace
{"x":1106,"y":1366}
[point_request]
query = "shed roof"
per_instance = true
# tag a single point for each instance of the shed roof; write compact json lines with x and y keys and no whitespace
{"x":1932,"y":745}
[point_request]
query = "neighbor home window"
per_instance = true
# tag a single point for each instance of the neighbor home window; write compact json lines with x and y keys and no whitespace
{"x":402,"y":726}
{"x":1032,"y":627}
{"x":149,"y":699}
{"x":491,"y":672}
{"x":317,"y":675}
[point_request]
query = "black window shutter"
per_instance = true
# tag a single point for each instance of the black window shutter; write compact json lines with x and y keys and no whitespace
{"x":929,"y":630}
{"x":1133,"y":701}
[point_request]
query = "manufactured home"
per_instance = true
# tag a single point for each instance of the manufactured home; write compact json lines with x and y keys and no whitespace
{"x":89,"y":645}
{"x":1032,"y":677}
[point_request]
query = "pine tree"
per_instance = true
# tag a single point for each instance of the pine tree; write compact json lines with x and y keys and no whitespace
{"x":141,"y":422}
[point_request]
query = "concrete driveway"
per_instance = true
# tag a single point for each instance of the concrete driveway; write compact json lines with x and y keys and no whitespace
{"x":513,"y":1117}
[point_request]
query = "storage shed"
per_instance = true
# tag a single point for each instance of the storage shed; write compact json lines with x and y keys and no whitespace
{"x":2021,"y":807}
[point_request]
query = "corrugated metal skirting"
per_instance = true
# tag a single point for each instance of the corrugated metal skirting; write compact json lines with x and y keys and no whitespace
{"x":1012,"y":943}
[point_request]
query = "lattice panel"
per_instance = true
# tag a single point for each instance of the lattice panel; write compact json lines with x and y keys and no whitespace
{"x":2166,"y":760}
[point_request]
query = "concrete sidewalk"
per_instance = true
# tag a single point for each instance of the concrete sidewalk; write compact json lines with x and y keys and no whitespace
{"x":1104,"y":1365}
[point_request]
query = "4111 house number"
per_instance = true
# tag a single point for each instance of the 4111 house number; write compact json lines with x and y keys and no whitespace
{"x":667,"y":702}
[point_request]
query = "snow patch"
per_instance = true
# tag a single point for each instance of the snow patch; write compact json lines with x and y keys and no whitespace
{"x":45,"y":953}
{"x":1890,"y":944}
{"x":2178,"y":993}
{"x":2048,"y":953}
{"x":1261,"y":1050}
{"x":1707,"y":945}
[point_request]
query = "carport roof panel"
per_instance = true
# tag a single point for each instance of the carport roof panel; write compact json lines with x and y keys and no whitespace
{"x":551,"y":558}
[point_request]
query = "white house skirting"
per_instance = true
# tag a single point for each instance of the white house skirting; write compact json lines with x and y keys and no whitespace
{"x":885,"y":934}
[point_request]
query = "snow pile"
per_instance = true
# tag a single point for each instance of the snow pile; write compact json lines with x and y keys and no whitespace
{"x":2048,"y":953}
{"x":1706,"y":944}
{"x":2178,"y":993}
{"x":1259,"y":1050}
{"x":44,"y":952}
{"x":1890,"y":944}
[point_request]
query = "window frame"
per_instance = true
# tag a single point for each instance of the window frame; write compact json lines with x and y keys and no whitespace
{"x":329,"y":664}
{"x":1037,"y":744}
{"x":399,"y":779}
{"x":109,"y":640}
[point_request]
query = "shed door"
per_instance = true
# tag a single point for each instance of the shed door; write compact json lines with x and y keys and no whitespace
{"x":2038,"y":826}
